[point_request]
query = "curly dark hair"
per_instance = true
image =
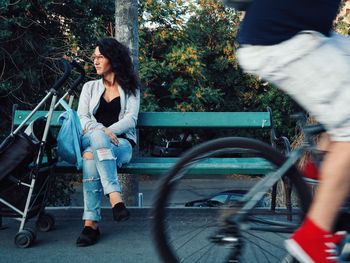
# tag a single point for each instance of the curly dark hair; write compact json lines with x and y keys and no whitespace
{"x":121,"y":63}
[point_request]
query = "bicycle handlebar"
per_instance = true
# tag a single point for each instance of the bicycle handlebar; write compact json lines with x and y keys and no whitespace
{"x":314,"y":129}
{"x":67,"y":70}
{"x":308,"y":129}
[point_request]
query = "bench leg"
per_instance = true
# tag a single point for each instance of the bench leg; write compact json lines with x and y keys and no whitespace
{"x":273,"y":198}
{"x":288,"y":195}
{"x":130,"y":188}
{"x":1,"y":227}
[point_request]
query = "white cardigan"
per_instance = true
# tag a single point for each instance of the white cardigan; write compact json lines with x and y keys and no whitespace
{"x":129,"y":109}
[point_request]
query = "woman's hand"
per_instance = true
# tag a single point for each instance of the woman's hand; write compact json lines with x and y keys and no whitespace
{"x":111,"y":135}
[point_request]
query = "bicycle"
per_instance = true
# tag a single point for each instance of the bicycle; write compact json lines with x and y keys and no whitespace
{"x":246,"y":231}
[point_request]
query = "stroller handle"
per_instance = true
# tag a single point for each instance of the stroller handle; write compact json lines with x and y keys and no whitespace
{"x":81,"y":71}
{"x":67,"y":69}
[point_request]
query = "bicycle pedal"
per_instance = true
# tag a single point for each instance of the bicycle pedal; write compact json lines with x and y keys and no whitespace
{"x":219,"y":238}
{"x":225,"y":237}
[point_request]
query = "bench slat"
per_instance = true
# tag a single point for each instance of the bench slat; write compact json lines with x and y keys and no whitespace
{"x":205,"y":119}
{"x":210,"y":166}
{"x":181,"y":119}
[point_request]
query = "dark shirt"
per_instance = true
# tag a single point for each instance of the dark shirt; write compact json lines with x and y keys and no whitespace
{"x":269,"y":22}
{"x":108,"y":113}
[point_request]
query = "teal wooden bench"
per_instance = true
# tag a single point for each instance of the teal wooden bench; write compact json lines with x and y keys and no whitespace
{"x":159,"y":165}
{"x":186,"y":120}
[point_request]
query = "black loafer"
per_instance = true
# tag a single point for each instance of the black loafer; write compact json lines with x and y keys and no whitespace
{"x":88,"y":237}
{"x":120,"y":212}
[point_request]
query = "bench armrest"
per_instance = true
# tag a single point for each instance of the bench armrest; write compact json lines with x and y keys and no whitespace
{"x":280,"y":143}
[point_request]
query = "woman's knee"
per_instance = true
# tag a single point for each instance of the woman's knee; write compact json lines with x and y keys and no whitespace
{"x":98,"y":135}
{"x":88,"y":156}
{"x":103,"y":154}
{"x":123,"y":152}
{"x":98,"y":140}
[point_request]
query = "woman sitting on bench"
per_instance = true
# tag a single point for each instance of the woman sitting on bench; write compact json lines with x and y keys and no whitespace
{"x":108,"y":110}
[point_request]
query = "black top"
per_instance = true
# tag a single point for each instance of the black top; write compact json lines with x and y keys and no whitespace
{"x":269,"y":22}
{"x":108,"y":113}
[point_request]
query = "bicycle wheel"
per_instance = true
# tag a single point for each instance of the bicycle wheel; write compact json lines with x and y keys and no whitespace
{"x":187,"y":234}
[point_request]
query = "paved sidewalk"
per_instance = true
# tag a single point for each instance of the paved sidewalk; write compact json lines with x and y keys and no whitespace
{"x":130,"y":241}
{"x":126,"y":242}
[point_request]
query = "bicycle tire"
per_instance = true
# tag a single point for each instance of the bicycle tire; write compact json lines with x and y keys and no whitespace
{"x":161,"y":223}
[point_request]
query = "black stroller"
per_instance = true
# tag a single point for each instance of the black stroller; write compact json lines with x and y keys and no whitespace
{"x":24,"y":176}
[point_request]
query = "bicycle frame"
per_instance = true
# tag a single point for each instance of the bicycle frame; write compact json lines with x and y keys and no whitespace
{"x":252,"y":198}
{"x":248,"y":223}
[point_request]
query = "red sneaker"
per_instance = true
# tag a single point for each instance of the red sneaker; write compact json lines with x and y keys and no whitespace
{"x":311,"y":244}
{"x":343,"y":245}
{"x":338,"y":237}
{"x":310,"y":170}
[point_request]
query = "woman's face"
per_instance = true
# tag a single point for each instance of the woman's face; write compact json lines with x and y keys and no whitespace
{"x":101,"y":63}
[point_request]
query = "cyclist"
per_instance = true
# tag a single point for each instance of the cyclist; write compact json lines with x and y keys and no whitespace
{"x":290,"y":43}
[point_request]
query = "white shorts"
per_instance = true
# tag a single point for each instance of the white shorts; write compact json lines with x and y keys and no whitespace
{"x":314,"y":70}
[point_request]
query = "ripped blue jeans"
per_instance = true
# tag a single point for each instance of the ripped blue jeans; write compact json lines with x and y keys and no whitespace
{"x":100,"y":173}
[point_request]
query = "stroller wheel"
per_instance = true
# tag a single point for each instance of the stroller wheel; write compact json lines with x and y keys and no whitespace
{"x":24,"y":238}
{"x":45,"y":222}
{"x":33,"y":234}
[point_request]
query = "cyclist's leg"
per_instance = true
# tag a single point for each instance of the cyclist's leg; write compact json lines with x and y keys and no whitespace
{"x":324,"y":142}
{"x":334,"y":185}
{"x":310,"y":167}
{"x":301,"y":68}
{"x":335,"y":168}
{"x":330,"y":195}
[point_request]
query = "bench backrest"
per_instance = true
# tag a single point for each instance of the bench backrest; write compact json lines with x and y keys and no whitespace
{"x":181,"y":119}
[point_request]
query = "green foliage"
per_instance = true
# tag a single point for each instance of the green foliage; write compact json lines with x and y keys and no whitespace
{"x":190,"y":64}
{"x":342,"y":23}
{"x":187,"y":53}
{"x":283,"y":107}
{"x":175,"y":63}
{"x":33,"y":36}
{"x":62,"y":189}
{"x":22,"y":33}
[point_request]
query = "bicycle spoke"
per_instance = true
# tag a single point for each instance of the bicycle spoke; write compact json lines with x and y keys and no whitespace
{"x":199,"y":250}
{"x":198,"y":232}
{"x":255,"y":251}
{"x":264,"y":240}
{"x":214,"y":235}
